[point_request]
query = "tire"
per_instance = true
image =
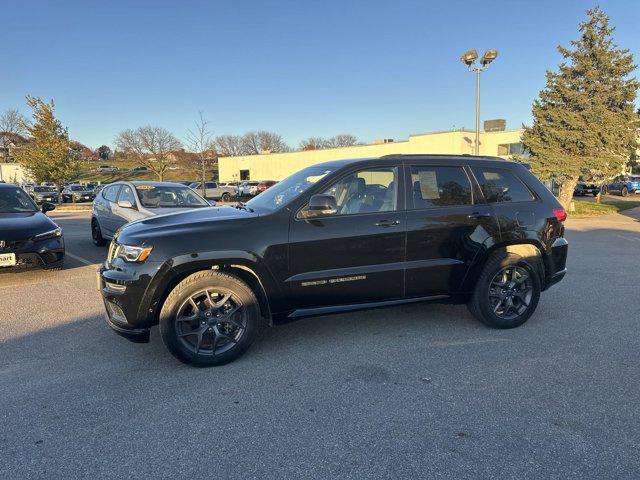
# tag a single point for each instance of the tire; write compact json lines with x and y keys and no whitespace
{"x":96,"y":233}
{"x":178,"y":336}
{"x":481,"y":305}
{"x":225,"y":197}
{"x":624,"y":192}
{"x":604,"y":191}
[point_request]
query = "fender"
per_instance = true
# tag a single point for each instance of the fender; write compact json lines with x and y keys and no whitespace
{"x":173,"y":270}
{"x":525,"y":247}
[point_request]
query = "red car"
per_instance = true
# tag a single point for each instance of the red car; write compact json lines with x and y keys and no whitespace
{"x":265,"y":185}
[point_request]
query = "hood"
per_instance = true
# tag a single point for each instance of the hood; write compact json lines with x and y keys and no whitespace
{"x":135,"y":233}
{"x":21,"y":226}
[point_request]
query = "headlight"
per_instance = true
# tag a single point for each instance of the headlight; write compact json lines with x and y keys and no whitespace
{"x":56,"y":232}
{"x":132,"y":254}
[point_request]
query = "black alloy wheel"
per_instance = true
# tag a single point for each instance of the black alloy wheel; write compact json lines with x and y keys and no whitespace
{"x":510,"y":292}
{"x":211,"y":321}
{"x":507,"y":291}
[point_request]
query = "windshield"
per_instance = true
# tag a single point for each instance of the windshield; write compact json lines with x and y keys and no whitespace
{"x":15,"y":200}
{"x":169,"y":196}
{"x":289,"y":188}
{"x":43,"y":189}
{"x":78,"y":188}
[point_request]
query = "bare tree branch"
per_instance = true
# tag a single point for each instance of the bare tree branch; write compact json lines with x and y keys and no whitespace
{"x":151,"y":146}
{"x":200,"y":143}
{"x":228,"y":145}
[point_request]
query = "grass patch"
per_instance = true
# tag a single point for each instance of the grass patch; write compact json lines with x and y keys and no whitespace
{"x":88,"y":173}
{"x":593,"y":209}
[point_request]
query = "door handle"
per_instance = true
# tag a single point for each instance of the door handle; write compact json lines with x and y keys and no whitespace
{"x":478,"y":215}
{"x":387,"y":223}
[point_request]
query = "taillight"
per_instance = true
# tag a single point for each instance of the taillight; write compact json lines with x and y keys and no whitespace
{"x":560,"y":213}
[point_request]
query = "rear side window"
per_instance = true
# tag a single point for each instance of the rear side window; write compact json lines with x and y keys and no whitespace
{"x":210,"y":185}
{"x":501,"y":186}
{"x":110,"y":193}
{"x":439,"y":186}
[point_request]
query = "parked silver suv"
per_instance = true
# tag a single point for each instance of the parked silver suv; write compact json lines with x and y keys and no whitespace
{"x":123,"y":202}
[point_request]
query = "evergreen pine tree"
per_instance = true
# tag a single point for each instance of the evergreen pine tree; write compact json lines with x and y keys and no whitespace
{"x":48,"y":156}
{"x":585,"y":123}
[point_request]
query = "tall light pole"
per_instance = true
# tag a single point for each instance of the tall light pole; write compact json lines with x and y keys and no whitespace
{"x":469,"y":59}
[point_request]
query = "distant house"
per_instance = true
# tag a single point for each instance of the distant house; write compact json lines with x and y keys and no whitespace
{"x":9,"y":143}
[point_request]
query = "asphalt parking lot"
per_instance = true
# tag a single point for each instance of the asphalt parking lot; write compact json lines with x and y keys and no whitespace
{"x":418,"y":391}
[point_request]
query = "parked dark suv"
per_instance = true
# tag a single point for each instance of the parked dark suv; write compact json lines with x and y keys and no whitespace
{"x":338,"y":236}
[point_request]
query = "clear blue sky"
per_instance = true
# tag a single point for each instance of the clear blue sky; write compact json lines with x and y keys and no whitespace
{"x":300,"y":68}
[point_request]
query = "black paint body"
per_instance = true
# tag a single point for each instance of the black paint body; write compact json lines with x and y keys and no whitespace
{"x":336,"y":263}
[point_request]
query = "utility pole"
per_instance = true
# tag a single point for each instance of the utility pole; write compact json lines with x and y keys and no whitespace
{"x":469,"y":60}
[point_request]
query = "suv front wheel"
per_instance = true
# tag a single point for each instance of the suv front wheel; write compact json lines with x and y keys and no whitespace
{"x":507,"y":292}
{"x":210,"y":318}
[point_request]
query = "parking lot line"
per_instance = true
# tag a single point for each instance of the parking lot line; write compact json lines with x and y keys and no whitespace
{"x":80,"y":259}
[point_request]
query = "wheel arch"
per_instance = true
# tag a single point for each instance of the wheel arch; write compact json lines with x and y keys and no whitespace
{"x":254,"y":275}
{"x":530,"y":251}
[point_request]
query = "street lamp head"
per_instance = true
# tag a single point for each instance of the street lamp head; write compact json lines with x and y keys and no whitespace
{"x":488,"y":57}
{"x":469,"y":57}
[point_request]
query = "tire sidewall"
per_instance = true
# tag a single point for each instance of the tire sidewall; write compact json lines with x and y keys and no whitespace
{"x":187,"y":288}
{"x":98,"y":239}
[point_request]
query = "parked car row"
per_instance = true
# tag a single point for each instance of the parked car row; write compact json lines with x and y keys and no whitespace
{"x":253,"y":188}
{"x":621,"y":185}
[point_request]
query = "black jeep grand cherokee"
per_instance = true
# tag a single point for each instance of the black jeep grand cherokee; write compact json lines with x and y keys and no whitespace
{"x":338,"y":236}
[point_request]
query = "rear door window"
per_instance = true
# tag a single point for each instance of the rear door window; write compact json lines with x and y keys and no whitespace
{"x":501,"y":186}
{"x":436,"y":186}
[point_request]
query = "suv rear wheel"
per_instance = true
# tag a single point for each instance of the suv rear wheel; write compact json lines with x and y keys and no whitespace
{"x":225,"y":197}
{"x":210,"y":318}
{"x":507,"y":292}
{"x":624,"y":192}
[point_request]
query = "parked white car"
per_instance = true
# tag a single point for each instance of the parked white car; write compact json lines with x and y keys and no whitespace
{"x":244,"y":189}
{"x":106,"y":169}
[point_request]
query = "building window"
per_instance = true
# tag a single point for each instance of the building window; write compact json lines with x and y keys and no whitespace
{"x":512,"y":149}
{"x":244,"y":175}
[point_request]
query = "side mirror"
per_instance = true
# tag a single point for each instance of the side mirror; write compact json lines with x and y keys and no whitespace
{"x":48,"y":206}
{"x":125,"y":204}
{"x":320,"y":206}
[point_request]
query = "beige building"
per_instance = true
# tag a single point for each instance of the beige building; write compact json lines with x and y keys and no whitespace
{"x":12,"y":173}
{"x":276,"y":166}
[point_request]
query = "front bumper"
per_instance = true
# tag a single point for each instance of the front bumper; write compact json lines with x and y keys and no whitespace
{"x":29,"y":254}
{"x":47,"y":198}
{"x":129,"y":294}
{"x":136,"y":335}
{"x":83,"y":198}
